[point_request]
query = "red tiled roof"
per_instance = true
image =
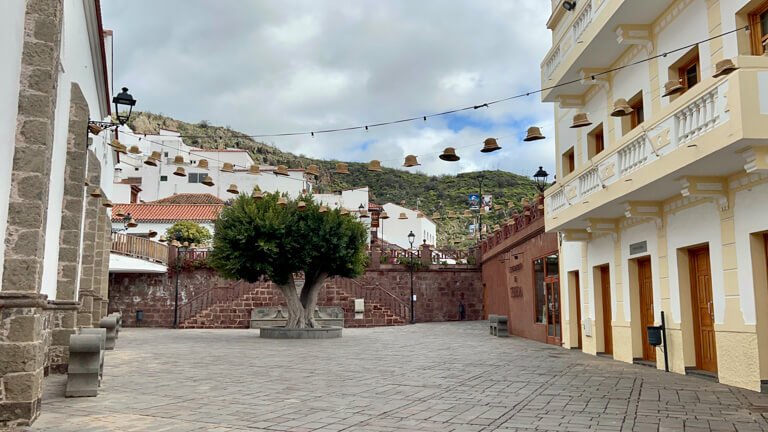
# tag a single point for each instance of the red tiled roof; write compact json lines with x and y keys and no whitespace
{"x":190,"y":198}
{"x":374,"y":206}
{"x":169,"y":212}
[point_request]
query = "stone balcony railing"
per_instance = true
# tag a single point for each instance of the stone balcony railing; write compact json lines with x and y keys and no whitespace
{"x":568,"y":39}
{"x":693,"y":114}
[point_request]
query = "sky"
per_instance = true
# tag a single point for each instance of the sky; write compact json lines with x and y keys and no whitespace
{"x":275,"y":66}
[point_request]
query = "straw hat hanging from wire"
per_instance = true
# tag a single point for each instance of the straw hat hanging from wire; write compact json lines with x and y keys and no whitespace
{"x":374,"y":166}
{"x":341,"y":168}
{"x":281,"y":170}
{"x":410,"y":161}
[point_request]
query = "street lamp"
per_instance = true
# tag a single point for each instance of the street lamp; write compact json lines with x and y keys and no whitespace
{"x":541,"y":179}
{"x":180,"y":249}
{"x":411,"y":238}
{"x":123,"y":99}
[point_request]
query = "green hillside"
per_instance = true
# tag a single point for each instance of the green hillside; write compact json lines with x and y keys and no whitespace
{"x":431,"y":193}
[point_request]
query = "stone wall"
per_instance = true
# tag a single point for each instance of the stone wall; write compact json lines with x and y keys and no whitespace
{"x":438,"y":293}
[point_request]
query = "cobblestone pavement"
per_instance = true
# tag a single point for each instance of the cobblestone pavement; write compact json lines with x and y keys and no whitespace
{"x":427,"y":377}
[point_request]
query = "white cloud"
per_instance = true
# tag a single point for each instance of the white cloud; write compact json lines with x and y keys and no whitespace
{"x":301,"y":65}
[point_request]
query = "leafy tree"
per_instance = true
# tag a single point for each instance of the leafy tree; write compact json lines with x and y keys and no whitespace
{"x":258,"y":238}
{"x":188,"y":231}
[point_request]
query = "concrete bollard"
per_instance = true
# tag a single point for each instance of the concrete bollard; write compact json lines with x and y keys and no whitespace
{"x":119,"y":317}
{"x":493,"y":324}
{"x":102,"y":334}
{"x":83,"y":369}
{"x":502,"y":329}
{"x":109,"y":323}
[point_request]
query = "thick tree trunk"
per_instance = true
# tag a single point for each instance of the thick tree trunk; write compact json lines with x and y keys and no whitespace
{"x":309,"y":299}
{"x":295,"y":307}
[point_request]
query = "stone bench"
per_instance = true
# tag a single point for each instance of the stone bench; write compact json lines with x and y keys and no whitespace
{"x":498,"y":325}
{"x":119,"y":318}
{"x":110,"y":324}
{"x":102,"y":334}
{"x":271,"y":316}
{"x":84,"y":364}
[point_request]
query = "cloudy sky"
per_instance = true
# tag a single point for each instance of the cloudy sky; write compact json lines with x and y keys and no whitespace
{"x":274,"y":66}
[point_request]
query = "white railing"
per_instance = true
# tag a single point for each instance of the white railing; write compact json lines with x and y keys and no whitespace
{"x":697,"y":117}
{"x":589,"y":181}
{"x":633,"y":155}
{"x":582,"y":21}
{"x":552,"y":62}
{"x":674,"y":129}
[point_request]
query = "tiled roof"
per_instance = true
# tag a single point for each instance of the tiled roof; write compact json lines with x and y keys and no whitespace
{"x":374,"y":206}
{"x":190,"y":198}
{"x":169,"y":212}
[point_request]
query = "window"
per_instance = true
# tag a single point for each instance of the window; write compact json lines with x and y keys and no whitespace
{"x":163,"y":178}
{"x":686,"y":70}
{"x":636,"y":117}
{"x":165,"y":154}
{"x":596,"y":141}
{"x":689,"y":73}
{"x":758,"y":21}
{"x":569,"y":162}
{"x":195,"y":177}
{"x":545,"y":271}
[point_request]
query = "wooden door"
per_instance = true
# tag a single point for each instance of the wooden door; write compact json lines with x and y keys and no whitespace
{"x":605,"y":282}
{"x":577,"y":291}
{"x":646,"y":305}
{"x":703,"y":310}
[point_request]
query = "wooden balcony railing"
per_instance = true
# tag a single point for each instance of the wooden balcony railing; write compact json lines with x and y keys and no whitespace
{"x":139,"y":247}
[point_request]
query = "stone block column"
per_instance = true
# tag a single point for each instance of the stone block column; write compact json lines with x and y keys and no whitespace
{"x":98,"y":261}
{"x":92,"y":206}
{"x":106,"y":248}
{"x":64,"y":307}
{"x":22,"y":315}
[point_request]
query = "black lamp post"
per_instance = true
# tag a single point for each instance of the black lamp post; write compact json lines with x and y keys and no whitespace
{"x":541,"y":179}
{"x":180,"y":249}
{"x":411,"y":238}
{"x":123,"y":99}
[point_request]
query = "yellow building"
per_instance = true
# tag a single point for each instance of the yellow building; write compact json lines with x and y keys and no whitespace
{"x":662,"y":180}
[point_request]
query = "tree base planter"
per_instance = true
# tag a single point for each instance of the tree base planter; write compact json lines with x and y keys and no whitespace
{"x":280,"y":332}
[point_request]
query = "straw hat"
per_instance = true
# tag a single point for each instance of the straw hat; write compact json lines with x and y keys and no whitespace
{"x":118,"y":146}
{"x":132,"y":223}
{"x":510,"y":204}
{"x":162,"y":239}
{"x":497,"y":206}
{"x":281,"y":170}
{"x":419,"y":215}
{"x":118,"y":213}
{"x":202,"y":164}
{"x":344,"y":212}
{"x":621,"y":108}
{"x":152,"y":234}
{"x":724,"y":67}
{"x":467,"y":213}
{"x":313,"y":170}
{"x":153,"y":159}
{"x":96,"y":193}
{"x":483,"y":210}
{"x":301,"y":206}
{"x":227,"y":167}
{"x":95,"y":129}
{"x":451,"y":214}
{"x":178,"y":160}
{"x":672,"y":88}
{"x":449,"y":154}
{"x":410,"y":161}
{"x":374,"y":165}
{"x":436,"y":216}
{"x":254,"y":169}
{"x":208,"y":181}
{"x":383,"y":215}
{"x":106,"y":203}
{"x":134,"y":149}
{"x":233,"y":189}
{"x":257,"y":194}
{"x":402,"y":216}
{"x":341,"y":168}
{"x":185,"y":244}
{"x":580,"y":120}
{"x":180,"y":172}
{"x":490,"y":145}
{"x":175,"y":243}
{"x":323,"y":209}
{"x":282,"y":201}
{"x":534,"y":133}
{"x":364,"y":214}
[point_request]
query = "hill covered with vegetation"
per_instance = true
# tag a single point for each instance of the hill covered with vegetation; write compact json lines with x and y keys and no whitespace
{"x":431,"y":194}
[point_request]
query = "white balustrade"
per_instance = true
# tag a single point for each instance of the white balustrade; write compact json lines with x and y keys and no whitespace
{"x":633,"y":155}
{"x":696,"y":118}
{"x":556,"y":201}
{"x":589,"y":181}
{"x":552,"y":62}
{"x":582,"y":21}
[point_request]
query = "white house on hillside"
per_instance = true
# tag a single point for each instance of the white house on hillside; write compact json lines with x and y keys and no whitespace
{"x":395,"y":230}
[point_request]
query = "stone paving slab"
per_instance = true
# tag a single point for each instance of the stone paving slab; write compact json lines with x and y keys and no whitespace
{"x":427,"y":377}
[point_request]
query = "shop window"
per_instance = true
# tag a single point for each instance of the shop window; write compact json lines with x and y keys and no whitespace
{"x":636,"y":117}
{"x":569,"y":162}
{"x":758,"y":21}
{"x":545,"y":276}
{"x":596,"y":141}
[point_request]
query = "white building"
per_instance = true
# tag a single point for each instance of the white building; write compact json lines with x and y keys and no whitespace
{"x":134,"y":181}
{"x":395,"y":230}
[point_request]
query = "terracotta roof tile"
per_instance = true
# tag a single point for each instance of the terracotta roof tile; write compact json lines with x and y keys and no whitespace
{"x":190,"y":198}
{"x":169,"y":212}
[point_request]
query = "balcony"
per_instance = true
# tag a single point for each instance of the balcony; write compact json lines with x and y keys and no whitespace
{"x":706,"y":132}
{"x":598,"y":32}
{"x":132,"y":254}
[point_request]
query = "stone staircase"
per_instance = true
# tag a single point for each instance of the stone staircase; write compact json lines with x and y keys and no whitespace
{"x":231,"y":306}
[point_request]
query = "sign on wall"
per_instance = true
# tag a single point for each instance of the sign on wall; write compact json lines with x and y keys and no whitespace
{"x":639,"y":247}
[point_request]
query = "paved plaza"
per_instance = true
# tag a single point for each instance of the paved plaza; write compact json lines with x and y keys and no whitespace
{"x":427,"y":377}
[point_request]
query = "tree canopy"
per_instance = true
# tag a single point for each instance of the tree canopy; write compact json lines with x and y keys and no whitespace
{"x":257,"y":238}
{"x":188,"y":231}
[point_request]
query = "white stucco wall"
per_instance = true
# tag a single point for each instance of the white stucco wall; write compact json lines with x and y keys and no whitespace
{"x":691,"y":227}
{"x":749,"y":216}
{"x":11,"y":42}
{"x":570,"y":257}
{"x":396,"y":231}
